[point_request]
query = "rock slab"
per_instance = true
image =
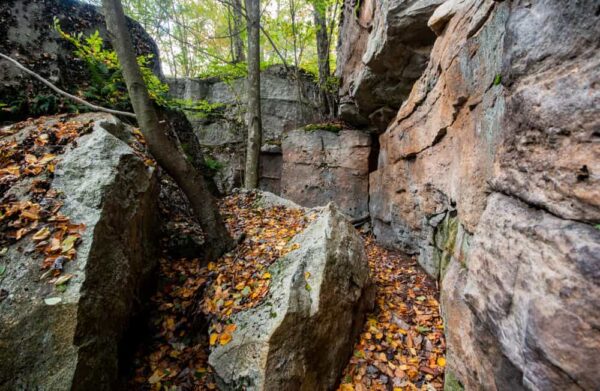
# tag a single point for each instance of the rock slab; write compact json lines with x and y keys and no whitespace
{"x":322,"y":166}
{"x":301,"y":336}
{"x":73,"y":344}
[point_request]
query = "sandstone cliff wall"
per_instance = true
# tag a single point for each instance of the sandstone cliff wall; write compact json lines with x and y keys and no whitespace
{"x":490,"y":172}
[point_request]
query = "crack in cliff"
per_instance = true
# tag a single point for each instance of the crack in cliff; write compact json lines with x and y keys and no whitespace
{"x":534,"y":205}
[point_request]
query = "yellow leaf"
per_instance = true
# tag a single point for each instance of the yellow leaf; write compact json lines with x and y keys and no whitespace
{"x":225,"y":338}
{"x":156,"y":376}
{"x":42,"y":234}
{"x":46,"y":158}
{"x":212,"y":266}
{"x":267,"y":275}
{"x":347,"y":387}
{"x":68,"y":243}
{"x":441,"y":362}
{"x":213,"y":338}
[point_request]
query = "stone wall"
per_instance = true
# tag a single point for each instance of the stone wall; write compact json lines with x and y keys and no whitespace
{"x":321,"y":166}
{"x":222,"y":132}
{"x":490,"y":171}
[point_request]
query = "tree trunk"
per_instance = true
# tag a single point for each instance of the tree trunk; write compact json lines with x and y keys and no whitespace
{"x":253,"y":116}
{"x":238,"y":42}
{"x":164,"y":148}
{"x":322,"y":52}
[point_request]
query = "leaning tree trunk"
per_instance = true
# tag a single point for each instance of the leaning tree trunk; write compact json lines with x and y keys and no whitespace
{"x":253,"y":115}
{"x":165,"y":149}
{"x":238,"y":42}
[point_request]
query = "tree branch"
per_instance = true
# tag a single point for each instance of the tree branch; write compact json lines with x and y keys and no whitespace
{"x":64,"y":93}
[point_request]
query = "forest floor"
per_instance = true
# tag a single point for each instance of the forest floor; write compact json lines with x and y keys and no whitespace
{"x":401,"y":346}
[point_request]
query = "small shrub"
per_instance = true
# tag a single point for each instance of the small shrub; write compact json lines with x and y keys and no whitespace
{"x":212,"y":164}
{"x":328,"y":127}
{"x":107,"y":85}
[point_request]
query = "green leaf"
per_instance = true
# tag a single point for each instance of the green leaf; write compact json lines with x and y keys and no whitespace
{"x":497,"y":79}
{"x":423,"y":329}
{"x":2,"y":269}
{"x":246,"y":291}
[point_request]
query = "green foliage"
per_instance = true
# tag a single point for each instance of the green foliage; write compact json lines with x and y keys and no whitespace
{"x":227,"y":71}
{"x":328,"y":127}
{"x":212,"y":164}
{"x":107,"y":85}
{"x":44,"y":104}
{"x":201,"y":109}
{"x":497,"y":79}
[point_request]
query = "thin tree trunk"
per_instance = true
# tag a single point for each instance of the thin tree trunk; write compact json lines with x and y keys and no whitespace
{"x":164,"y":148}
{"x":322,"y":53}
{"x":238,"y":42}
{"x":253,"y":115}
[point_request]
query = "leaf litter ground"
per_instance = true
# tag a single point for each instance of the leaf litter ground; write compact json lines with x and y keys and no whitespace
{"x":401,"y":347}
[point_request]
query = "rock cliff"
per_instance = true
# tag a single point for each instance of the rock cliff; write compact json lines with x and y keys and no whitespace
{"x":286,"y":104}
{"x":490,"y":172}
{"x":28,"y":36}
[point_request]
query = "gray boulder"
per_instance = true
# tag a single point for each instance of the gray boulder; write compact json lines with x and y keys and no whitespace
{"x":52,"y":340}
{"x":301,"y":336}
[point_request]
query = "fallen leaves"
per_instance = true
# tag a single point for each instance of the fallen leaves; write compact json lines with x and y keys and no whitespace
{"x":239,"y":280}
{"x":28,"y":153}
{"x":402,"y":345}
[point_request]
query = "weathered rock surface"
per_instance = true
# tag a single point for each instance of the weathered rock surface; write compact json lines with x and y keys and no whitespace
{"x":222,"y":131}
{"x":26,"y":28}
{"x":301,"y":336}
{"x":490,"y":171}
{"x":322,"y":166}
{"x":533,"y":281}
{"x":383,"y":50}
{"x":73,"y":344}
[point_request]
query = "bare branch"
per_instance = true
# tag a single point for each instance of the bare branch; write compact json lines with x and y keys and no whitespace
{"x":64,"y":93}
{"x":274,"y":47}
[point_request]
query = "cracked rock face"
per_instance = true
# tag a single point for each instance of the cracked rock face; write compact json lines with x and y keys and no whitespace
{"x":222,"y":132}
{"x":383,"y":49}
{"x":301,"y":335}
{"x":73,"y":344}
{"x":490,"y":171}
{"x":322,"y":166}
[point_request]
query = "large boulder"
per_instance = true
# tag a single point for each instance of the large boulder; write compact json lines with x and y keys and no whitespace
{"x":286,"y":104}
{"x":320,"y":166}
{"x":301,"y":336}
{"x":69,"y":339}
{"x":26,"y":28}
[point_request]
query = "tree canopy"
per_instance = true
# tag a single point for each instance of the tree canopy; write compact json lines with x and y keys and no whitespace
{"x":198,"y":38}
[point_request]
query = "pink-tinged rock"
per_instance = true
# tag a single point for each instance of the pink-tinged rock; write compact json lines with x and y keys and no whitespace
{"x":531,"y":286}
